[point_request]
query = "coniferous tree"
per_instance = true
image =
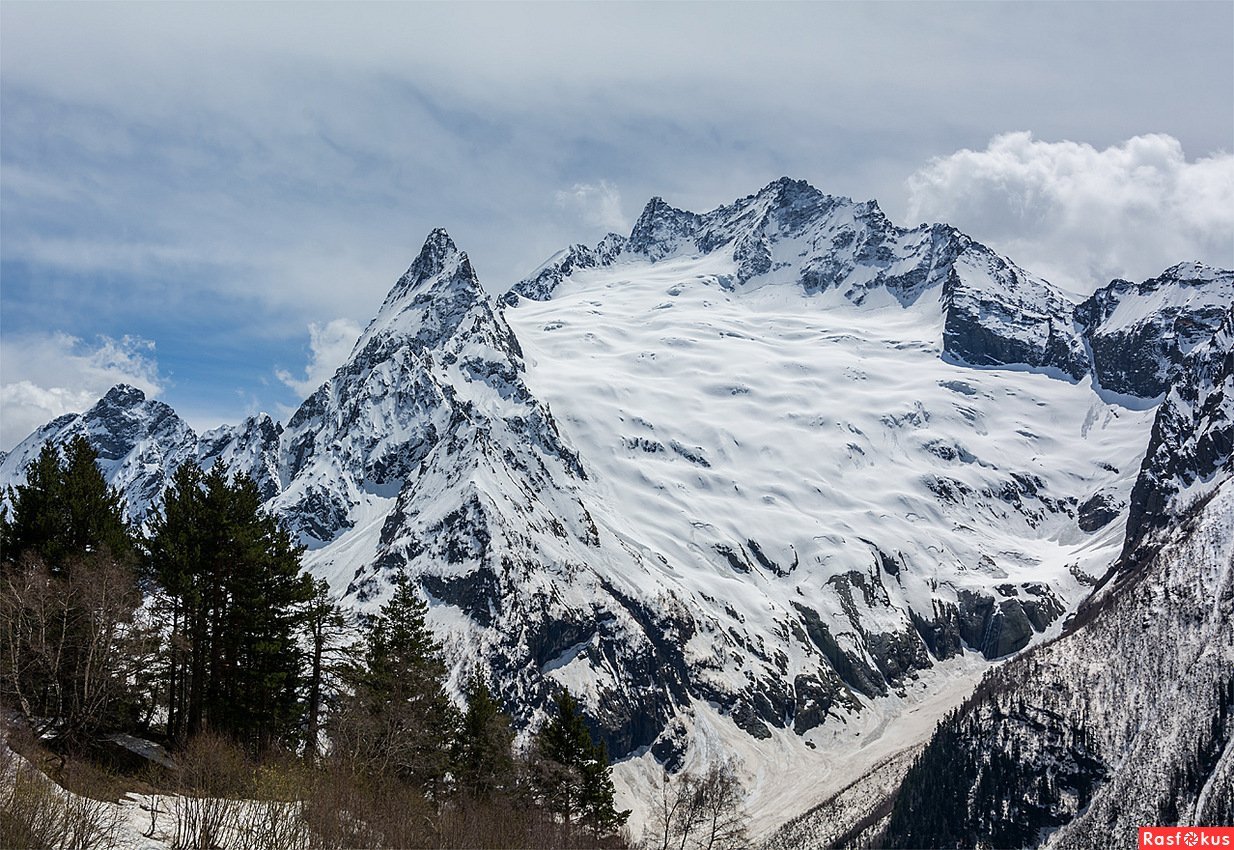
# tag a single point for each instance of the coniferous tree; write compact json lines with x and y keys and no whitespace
{"x":572,"y":774}
{"x":64,"y":510}
{"x":325,"y":624}
{"x":234,"y":591}
{"x":483,"y":763}
{"x":398,"y":720}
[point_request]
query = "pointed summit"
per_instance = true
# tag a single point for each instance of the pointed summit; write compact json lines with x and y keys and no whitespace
{"x":660,"y":228}
{"x":438,"y":250}
{"x":440,"y":258}
{"x":124,"y":395}
{"x":435,"y":291}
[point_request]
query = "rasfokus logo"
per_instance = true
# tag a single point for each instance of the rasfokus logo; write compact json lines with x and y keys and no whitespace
{"x":1186,"y":836}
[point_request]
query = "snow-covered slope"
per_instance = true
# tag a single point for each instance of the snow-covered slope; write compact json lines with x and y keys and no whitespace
{"x":779,"y":479}
{"x":1128,"y":719}
{"x":839,"y":508}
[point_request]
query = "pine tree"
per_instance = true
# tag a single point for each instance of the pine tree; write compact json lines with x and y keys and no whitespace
{"x":234,"y":592}
{"x":483,"y":763}
{"x":596,"y":801}
{"x":64,"y":510}
{"x":399,"y":720}
{"x":572,"y":773}
{"x":325,"y":625}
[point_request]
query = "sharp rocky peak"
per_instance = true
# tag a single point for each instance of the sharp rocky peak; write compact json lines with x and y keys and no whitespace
{"x":123,"y":395}
{"x":439,"y":261}
{"x":432,"y":298}
{"x":660,"y":228}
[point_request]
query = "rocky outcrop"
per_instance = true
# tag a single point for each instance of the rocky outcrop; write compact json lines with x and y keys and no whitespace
{"x":251,"y":448}
{"x":996,"y":314}
{"x":542,"y":283}
{"x":1140,"y":333}
{"x":1192,"y":444}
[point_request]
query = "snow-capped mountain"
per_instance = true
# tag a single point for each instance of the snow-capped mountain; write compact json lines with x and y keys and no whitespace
{"x":140,"y":443}
{"x":994,"y":312}
{"x":780,"y":478}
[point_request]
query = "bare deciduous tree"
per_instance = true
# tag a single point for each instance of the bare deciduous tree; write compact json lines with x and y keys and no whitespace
{"x":71,"y":643}
{"x":699,"y":811}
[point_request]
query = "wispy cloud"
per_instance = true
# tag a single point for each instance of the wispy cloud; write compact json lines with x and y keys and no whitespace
{"x":597,"y":204}
{"x":48,"y":375}
{"x":329,"y":345}
{"x":1080,"y":215}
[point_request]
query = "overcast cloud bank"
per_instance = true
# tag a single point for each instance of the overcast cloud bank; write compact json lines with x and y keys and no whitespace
{"x":218,"y":177}
{"x":1082,"y":216}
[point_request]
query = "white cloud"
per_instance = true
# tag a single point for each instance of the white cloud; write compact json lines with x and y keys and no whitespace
{"x":329,"y":345}
{"x":48,"y":375}
{"x":1081,"y":216}
{"x":597,"y":204}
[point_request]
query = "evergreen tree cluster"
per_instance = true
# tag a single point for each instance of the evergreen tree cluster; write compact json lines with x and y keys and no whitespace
{"x":993,"y":774}
{"x":233,"y":592}
{"x":63,"y":511}
{"x":571,"y":772}
{"x":203,"y":630}
{"x":71,"y":638}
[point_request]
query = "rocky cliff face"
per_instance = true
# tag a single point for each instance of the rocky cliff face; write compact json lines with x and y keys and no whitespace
{"x":1140,"y":333}
{"x":1192,"y":444}
{"x":252,"y":447}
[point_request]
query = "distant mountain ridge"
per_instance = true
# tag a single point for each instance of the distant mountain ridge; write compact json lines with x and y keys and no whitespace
{"x":782,"y":466}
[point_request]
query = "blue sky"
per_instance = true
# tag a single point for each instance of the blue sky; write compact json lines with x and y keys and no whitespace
{"x":209,"y":201}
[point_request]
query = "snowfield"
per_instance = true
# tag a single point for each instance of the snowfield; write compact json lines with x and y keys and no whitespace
{"x":812,"y":427}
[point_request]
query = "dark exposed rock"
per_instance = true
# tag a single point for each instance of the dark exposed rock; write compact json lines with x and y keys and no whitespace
{"x":1139,"y":333}
{"x":1192,"y":440}
{"x":1009,"y":630}
{"x":1097,"y":512}
{"x":941,"y":634}
{"x":477,"y":594}
{"x":814,"y":698}
{"x":897,"y":654}
{"x":997,"y":628}
{"x":975,"y":612}
{"x":1042,"y":606}
{"x":541,"y":284}
{"x":1021,"y":320}
{"x":670,"y":748}
{"x":852,"y":671}
{"x":734,"y":560}
{"x":660,"y":229}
